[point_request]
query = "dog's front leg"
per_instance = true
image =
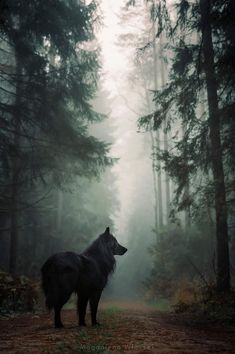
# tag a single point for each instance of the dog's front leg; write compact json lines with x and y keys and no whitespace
{"x":81,"y":308}
{"x":94,"y":301}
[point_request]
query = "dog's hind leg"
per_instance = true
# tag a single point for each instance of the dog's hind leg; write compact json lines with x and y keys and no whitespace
{"x":82,"y":305}
{"x":63,"y":298}
{"x":94,"y":301}
{"x":57,"y":319}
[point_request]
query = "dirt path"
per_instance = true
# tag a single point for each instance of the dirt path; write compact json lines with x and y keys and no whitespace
{"x":125,"y":329}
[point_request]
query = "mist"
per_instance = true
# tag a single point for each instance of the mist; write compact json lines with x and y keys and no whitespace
{"x":117,"y":119}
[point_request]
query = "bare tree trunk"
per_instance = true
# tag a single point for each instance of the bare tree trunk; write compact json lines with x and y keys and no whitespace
{"x":165,"y":141}
{"x":159,"y":183}
{"x":158,"y":166}
{"x":14,"y":222}
{"x":15,"y":167}
{"x":154,"y":184}
{"x":153,"y":148}
{"x":187,"y":215}
{"x":222,"y":246}
{"x":187,"y":211}
{"x":59,"y":210}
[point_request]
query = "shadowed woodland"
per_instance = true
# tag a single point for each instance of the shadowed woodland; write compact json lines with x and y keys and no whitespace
{"x":119,"y":114}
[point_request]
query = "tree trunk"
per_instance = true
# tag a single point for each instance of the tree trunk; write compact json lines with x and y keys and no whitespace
{"x":153,"y":148}
{"x":13,"y":227}
{"x":187,"y":215}
{"x":165,"y":141}
{"x":59,"y":214}
{"x":159,"y":184}
{"x":15,"y":172}
{"x":159,"y":174}
{"x":222,"y":246}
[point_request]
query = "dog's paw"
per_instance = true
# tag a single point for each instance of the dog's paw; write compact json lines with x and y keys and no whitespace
{"x":96,"y":324}
{"x":82,"y":324}
{"x":59,"y":325}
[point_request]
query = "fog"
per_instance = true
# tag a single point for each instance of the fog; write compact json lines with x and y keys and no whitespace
{"x":114,"y":131}
{"x":134,"y":220}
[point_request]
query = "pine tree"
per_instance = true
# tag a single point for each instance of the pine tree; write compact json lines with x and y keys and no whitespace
{"x":205,"y":154}
{"x":49,"y":76}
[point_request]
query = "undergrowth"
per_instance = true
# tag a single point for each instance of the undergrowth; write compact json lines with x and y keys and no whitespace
{"x":17,"y":294}
{"x":207,"y":305}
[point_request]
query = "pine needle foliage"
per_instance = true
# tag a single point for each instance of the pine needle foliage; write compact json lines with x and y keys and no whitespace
{"x":49,"y":72}
{"x":183,"y":102}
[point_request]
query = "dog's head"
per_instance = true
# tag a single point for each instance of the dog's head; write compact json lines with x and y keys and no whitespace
{"x":112,"y":243}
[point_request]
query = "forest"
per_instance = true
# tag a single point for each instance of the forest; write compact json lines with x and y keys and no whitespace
{"x":120,"y":116}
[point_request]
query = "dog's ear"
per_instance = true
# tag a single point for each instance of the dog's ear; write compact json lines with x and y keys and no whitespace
{"x":107,"y":231}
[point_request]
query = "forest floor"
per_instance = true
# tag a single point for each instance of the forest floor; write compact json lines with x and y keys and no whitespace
{"x":126,"y":328}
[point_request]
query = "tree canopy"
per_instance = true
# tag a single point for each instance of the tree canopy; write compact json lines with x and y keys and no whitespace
{"x":197,"y":105}
{"x":49,"y":70}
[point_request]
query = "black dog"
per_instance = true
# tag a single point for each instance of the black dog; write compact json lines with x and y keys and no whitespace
{"x":86,"y":274}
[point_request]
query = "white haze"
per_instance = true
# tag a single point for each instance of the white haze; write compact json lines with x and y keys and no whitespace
{"x":133,"y":171}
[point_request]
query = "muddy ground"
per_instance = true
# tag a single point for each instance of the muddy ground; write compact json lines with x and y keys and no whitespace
{"x":125,"y":328}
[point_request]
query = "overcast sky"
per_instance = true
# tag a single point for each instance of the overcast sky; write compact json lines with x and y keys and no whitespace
{"x":134,"y":167}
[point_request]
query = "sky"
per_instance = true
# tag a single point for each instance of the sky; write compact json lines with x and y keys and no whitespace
{"x":134,"y":166}
{"x":114,"y":60}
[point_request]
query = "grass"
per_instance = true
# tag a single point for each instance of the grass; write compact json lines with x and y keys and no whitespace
{"x":160,"y":304}
{"x":71,"y":304}
{"x":111,"y":311}
{"x":83,"y":333}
